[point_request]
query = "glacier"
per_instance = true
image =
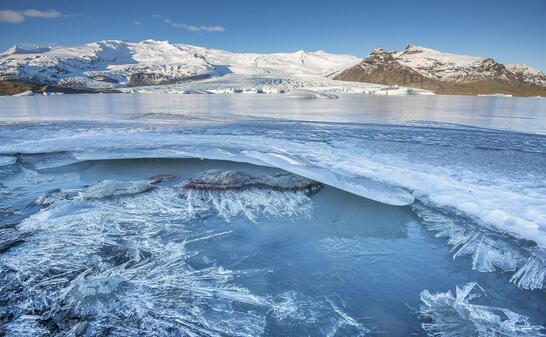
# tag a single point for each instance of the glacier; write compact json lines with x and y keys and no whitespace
{"x":160,"y":66}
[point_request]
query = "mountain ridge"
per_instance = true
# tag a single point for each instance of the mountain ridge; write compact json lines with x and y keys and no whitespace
{"x":108,"y":65}
{"x":445,"y":73}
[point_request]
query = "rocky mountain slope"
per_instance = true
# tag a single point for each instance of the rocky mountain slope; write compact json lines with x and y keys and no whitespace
{"x":446,"y":73}
{"x":113,"y":63}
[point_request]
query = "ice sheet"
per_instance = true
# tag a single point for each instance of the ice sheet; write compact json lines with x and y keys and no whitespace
{"x":467,"y":170}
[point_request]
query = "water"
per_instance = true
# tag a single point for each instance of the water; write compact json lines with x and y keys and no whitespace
{"x":330,"y":264}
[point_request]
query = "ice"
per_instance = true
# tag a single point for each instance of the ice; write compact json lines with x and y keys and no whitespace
{"x":533,"y":273}
{"x":289,"y":86}
{"x":9,"y":237}
{"x":290,"y":308}
{"x":125,"y":266}
{"x":84,"y":261}
{"x":25,"y":93}
{"x":307,"y":94}
{"x":456,"y":315}
{"x":110,"y":188}
{"x":7,"y":160}
{"x":446,"y":169}
{"x":249,"y":203}
{"x":490,"y":250}
{"x":232,"y":193}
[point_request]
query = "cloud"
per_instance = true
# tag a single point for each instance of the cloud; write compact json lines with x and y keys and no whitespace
{"x":137,"y":23}
{"x":11,"y":16}
{"x":190,"y":28}
{"x":50,"y":14}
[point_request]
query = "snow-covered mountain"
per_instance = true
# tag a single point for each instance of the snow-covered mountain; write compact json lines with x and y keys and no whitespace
{"x":445,"y":73}
{"x":116,"y":63}
{"x":128,"y":66}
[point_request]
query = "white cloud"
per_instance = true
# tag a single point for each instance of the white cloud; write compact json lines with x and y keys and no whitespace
{"x":50,"y":14}
{"x":189,"y":28}
{"x":137,"y":23}
{"x":11,"y":16}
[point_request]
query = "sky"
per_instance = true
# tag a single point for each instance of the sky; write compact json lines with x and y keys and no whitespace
{"x":508,"y":31}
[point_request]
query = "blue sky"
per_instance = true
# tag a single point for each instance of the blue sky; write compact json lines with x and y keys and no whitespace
{"x":509,"y":31}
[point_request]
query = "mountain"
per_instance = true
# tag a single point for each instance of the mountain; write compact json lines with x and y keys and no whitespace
{"x":113,"y":63}
{"x":445,"y":73}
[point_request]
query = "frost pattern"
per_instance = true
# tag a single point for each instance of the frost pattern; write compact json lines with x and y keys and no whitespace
{"x":249,"y":203}
{"x":490,"y":251}
{"x":532,"y":274}
{"x":291,"y":308}
{"x":455,"y":316}
{"x":122,"y":266}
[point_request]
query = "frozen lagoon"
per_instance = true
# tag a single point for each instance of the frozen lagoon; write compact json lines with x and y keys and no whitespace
{"x":334,"y":264}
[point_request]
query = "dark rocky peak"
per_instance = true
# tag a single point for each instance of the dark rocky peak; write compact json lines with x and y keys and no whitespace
{"x":379,"y":55}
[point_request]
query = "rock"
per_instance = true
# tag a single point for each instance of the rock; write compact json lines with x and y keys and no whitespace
{"x":102,"y":77}
{"x":150,"y":78}
{"x":445,"y":73}
{"x":234,"y":180}
{"x":161,"y":178}
{"x":219,"y":180}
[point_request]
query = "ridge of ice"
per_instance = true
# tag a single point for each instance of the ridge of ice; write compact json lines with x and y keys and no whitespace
{"x":367,"y":160}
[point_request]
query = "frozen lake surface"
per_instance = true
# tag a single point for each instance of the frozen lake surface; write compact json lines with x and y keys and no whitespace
{"x":422,"y":195}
